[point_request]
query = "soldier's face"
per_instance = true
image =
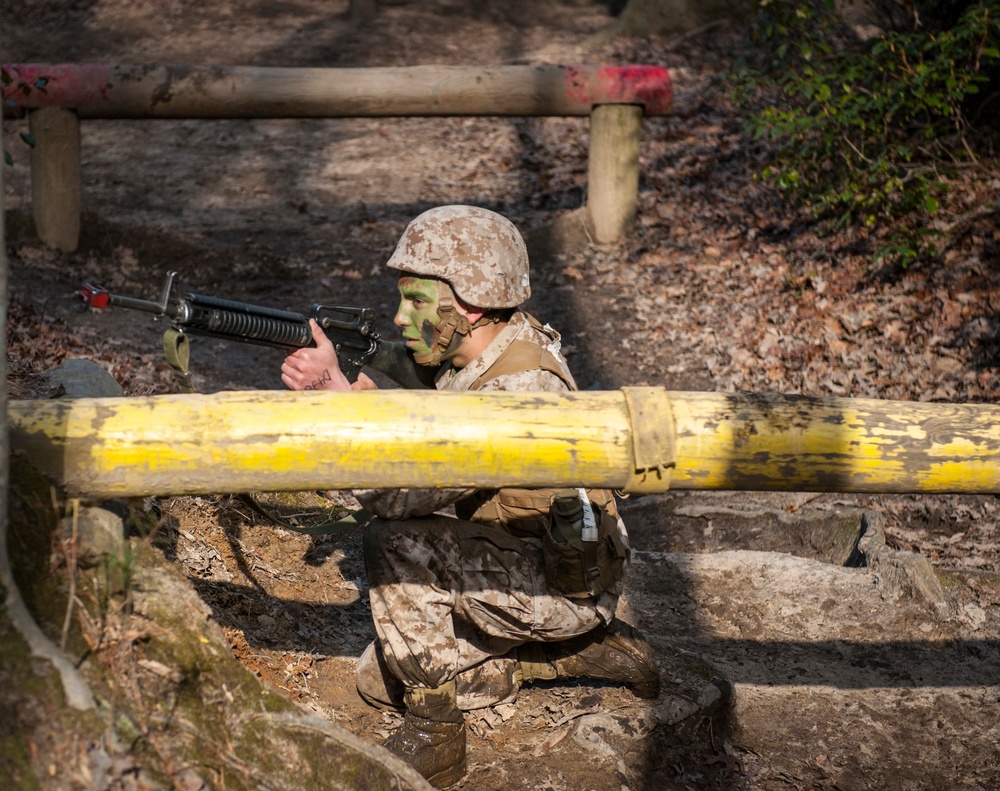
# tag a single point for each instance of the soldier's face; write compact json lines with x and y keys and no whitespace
{"x":417,"y":315}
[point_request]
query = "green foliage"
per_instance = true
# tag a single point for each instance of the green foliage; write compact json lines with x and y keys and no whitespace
{"x":9,"y":88}
{"x":867,"y":133}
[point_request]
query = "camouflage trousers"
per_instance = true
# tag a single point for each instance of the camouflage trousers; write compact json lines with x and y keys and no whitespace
{"x":449,"y":595}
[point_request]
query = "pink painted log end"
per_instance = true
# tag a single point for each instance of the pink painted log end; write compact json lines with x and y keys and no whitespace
{"x":70,"y":85}
{"x":648,"y":86}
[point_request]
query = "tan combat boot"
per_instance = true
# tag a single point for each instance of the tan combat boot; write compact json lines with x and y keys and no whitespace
{"x":432,"y":736}
{"x":617,"y":653}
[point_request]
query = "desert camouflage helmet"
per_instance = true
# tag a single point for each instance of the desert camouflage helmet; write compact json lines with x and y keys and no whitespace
{"x":478,"y":252}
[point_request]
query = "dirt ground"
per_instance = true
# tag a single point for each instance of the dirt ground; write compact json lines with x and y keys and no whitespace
{"x":783,"y":667}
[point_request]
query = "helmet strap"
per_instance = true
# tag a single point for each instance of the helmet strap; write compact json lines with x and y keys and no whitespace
{"x":451,"y":329}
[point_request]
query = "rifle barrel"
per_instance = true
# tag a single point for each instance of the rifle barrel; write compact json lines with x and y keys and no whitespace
{"x":170,"y":311}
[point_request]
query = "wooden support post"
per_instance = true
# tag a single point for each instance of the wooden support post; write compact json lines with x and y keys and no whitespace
{"x":56,"y":176}
{"x":613,"y":169}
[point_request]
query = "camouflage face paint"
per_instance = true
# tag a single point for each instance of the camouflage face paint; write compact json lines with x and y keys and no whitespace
{"x":417,"y":315}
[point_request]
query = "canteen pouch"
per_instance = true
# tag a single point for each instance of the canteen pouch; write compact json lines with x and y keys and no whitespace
{"x":582,"y":548}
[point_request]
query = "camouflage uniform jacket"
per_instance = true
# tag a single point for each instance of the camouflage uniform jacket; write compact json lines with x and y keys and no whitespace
{"x":521,"y":512}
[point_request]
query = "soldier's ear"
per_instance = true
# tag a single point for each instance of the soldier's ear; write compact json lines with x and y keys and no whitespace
{"x":472,"y":313}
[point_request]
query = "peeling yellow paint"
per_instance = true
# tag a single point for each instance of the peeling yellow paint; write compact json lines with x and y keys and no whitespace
{"x":966,"y":475}
{"x":959,"y":447}
{"x":280,"y":440}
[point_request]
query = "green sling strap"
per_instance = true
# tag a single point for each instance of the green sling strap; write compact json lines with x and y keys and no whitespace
{"x":177,"y":350}
{"x":359,"y":518}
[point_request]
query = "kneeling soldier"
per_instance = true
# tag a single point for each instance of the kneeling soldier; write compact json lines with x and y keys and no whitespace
{"x":522,"y":584}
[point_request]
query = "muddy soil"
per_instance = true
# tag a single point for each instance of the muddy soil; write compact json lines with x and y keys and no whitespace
{"x":784,"y":667}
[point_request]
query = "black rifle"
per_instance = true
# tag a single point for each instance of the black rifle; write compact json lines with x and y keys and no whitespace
{"x":350,"y":329}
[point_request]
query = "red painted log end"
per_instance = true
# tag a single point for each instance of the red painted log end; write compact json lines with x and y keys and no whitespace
{"x":649,"y":86}
{"x":71,"y":85}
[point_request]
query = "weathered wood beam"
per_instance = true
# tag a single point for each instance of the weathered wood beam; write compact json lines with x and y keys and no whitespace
{"x":182,"y":91}
{"x":241,"y":441}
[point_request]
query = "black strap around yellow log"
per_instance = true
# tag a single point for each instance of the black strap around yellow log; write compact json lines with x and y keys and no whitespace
{"x":284,"y":441}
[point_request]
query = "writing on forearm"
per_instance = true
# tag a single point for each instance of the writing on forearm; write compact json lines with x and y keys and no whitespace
{"x":318,"y":383}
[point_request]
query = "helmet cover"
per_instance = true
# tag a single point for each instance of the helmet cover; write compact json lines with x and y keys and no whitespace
{"x":477,"y":251}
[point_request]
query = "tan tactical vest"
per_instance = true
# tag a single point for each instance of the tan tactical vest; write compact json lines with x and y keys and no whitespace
{"x":525,"y":512}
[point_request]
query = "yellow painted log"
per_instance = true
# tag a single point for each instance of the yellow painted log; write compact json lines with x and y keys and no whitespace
{"x":795,"y":443}
{"x":273,"y":441}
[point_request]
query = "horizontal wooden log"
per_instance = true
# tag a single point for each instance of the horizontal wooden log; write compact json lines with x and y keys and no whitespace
{"x":181,"y":91}
{"x":240,"y":441}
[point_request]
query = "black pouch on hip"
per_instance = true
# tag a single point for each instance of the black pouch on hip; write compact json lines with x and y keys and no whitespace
{"x":582,"y":550}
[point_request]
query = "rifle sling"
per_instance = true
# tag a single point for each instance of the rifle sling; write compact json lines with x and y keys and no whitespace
{"x":359,"y":518}
{"x":177,"y":350}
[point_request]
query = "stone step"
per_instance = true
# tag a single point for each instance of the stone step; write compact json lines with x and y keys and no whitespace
{"x":880,"y":674}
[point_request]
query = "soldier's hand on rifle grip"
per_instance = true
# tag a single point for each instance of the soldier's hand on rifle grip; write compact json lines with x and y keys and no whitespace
{"x":316,"y":367}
